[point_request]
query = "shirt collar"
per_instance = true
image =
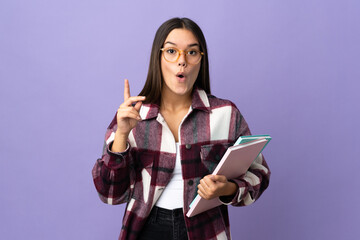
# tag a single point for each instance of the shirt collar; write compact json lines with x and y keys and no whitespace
{"x":200,"y":101}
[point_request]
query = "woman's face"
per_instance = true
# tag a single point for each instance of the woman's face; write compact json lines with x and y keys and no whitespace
{"x":179,"y":77}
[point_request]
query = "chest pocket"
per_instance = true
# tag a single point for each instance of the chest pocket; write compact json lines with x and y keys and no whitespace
{"x":144,"y":160}
{"x":211,"y":155}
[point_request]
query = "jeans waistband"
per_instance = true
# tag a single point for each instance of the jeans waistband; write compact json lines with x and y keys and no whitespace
{"x":165,"y":224}
{"x":167,"y":213}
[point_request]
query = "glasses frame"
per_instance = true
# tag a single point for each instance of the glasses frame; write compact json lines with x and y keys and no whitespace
{"x":180,"y":51}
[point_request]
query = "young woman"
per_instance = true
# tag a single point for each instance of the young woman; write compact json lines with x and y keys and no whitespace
{"x":162,"y":146}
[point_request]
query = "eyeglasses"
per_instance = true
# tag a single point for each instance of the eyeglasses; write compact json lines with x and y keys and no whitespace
{"x":172,"y":55}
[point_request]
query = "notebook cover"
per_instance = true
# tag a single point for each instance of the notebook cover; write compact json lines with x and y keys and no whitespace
{"x":235,"y":162}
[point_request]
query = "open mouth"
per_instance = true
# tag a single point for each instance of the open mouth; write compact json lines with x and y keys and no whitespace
{"x":180,"y":75}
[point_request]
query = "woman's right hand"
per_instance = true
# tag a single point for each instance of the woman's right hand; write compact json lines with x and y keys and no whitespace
{"x":127,"y":118}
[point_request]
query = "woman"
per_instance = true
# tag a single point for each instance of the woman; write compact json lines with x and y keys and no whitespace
{"x":162,"y":145}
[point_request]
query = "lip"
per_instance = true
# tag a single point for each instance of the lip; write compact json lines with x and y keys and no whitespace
{"x":180,"y":76}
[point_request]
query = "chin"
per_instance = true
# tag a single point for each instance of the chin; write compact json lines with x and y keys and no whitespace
{"x":182,"y":91}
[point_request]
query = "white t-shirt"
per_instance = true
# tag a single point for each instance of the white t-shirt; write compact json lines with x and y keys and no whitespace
{"x":173,"y":194}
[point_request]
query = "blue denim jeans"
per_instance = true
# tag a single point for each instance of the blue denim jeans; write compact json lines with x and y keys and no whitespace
{"x":165,"y":224}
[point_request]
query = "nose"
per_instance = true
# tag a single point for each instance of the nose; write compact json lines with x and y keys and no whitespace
{"x":182,"y":60}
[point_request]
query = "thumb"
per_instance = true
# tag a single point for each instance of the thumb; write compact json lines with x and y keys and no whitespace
{"x":138,"y":106}
{"x":219,"y":178}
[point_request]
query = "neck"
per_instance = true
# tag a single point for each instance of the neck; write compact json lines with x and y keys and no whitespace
{"x":174,"y":102}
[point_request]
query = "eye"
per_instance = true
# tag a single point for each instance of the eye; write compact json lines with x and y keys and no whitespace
{"x":171,"y":51}
{"x":192,"y":52}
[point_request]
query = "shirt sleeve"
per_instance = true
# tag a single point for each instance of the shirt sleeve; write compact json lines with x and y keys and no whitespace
{"x":112,"y":172}
{"x":254,"y":182}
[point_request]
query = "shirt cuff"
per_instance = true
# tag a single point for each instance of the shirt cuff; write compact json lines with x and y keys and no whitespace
{"x":117,"y":153}
{"x":116,"y":160}
{"x":227,"y":200}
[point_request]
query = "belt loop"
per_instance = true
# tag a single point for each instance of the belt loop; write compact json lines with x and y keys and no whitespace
{"x":155,"y":214}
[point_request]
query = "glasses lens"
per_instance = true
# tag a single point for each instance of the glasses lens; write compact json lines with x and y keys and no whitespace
{"x":171,"y":54}
{"x":193,"y":56}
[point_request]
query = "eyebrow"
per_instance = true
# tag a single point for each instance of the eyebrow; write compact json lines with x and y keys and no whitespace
{"x":190,"y":45}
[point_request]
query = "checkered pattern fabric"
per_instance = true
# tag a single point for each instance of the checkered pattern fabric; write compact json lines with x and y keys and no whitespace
{"x":138,"y":176}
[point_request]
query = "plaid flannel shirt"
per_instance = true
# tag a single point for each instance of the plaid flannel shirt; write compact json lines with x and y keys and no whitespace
{"x":139,"y":175}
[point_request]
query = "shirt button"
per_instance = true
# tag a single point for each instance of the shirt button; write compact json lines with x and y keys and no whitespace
{"x":190,"y":182}
{"x":187,"y":146}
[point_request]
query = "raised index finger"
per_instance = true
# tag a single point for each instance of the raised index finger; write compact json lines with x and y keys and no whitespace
{"x":126,"y":90}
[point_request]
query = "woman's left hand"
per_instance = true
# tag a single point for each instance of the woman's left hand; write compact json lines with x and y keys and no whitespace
{"x":212,"y":186}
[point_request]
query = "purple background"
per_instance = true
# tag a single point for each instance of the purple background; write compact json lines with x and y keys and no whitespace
{"x":292,"y":68}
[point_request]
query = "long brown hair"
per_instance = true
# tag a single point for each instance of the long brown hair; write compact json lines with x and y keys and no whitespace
{"x":154,"y":80}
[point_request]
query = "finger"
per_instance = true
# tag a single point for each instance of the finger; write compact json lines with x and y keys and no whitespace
{"x":204,"y":183}
{"x":218,"y":178}
{"x":128,"y":112}
{"x":205,"y":194}
{"x":210,"y":176}
{"x":128,"y":102}
{"x":138,"y":106}
{"x":212,"y":186}
{"x":202,"y":192}
{"x":208,"y":180}
{"x":123,"y":115}
{"x":126,"y":89}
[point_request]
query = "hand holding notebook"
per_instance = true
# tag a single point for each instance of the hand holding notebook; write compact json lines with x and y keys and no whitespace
{"x":235,"y":162}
